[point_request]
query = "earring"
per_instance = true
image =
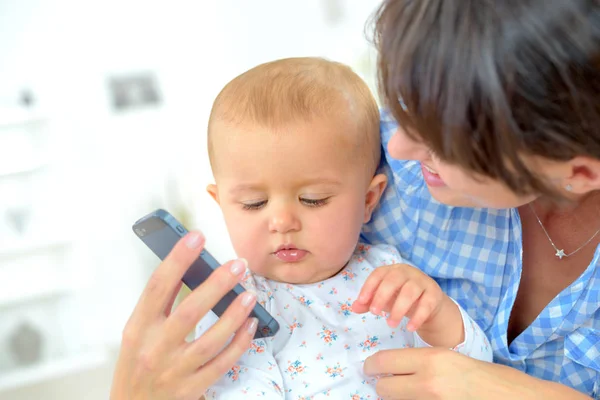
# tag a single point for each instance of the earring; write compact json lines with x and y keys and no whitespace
{"x":569,"y":187}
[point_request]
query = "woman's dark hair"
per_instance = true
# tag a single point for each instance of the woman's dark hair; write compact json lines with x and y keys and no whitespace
{"x":484,"y":82}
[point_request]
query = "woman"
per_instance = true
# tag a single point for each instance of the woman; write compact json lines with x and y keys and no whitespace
{"x":500,"y":109}
{"x":498,"y":200}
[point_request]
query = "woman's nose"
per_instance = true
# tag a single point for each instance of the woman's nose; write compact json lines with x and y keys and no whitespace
{"x":402,"y":147}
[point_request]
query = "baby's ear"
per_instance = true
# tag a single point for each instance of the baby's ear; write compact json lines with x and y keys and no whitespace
{"x":374,"y":192}
{"x":212,"y":190}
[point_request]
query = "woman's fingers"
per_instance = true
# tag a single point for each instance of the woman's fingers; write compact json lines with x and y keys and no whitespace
{"x":165,"y":280}
{"x":422,"y":373}
{"x":154,"y":353}
{"x":206,"y":347}
{"x":171,"y":301}
{"x":202,"y":299}
{"x":399,"y":388}
{"x":394,"y":361}
{"x":219,"y":365}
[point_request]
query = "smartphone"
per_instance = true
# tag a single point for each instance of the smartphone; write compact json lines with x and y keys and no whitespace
{"x":160,"y":231}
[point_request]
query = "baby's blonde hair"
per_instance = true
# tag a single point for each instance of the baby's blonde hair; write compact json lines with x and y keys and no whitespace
{"x":282,"y":92}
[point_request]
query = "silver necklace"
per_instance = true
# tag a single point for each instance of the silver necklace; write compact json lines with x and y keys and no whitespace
{"x":560,"y":253}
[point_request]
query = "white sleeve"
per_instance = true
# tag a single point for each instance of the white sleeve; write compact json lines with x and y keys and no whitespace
{"x":475,"y":345}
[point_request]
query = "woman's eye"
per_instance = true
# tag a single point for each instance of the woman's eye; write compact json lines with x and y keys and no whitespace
{"x":315,"y":202}
{"x":254,"y":206}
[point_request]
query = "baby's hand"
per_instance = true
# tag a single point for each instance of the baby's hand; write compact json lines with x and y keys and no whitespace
{"x":401,"y":290}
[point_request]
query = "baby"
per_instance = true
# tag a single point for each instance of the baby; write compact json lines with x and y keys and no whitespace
{"x":294,"y":147}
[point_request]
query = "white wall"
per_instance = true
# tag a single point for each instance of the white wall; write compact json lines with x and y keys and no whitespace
{"x":109,"y":169}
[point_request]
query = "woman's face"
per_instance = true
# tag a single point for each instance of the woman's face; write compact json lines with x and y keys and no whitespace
{"x":452,"y":185}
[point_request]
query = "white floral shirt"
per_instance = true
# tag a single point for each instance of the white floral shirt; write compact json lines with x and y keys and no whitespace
{"x":321,"y":346}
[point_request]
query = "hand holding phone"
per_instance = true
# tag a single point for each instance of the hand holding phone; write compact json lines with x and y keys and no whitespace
{"x":154,"y":337}
{"x":160,"y":231}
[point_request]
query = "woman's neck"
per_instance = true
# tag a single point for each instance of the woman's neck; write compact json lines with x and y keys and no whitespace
{"x":585,"y":208}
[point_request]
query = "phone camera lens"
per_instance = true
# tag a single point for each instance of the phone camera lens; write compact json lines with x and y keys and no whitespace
{"x":140,"y":231}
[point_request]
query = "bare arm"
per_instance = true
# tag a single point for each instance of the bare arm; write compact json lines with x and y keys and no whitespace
{"x":511,"y":382}
{"x":436,"y":373}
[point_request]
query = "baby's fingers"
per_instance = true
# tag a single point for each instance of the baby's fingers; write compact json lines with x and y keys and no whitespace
{"x":408,"y":296}
{"x":387,"y":292}
{"x":425,"y":306}
{"x":363,"y":302}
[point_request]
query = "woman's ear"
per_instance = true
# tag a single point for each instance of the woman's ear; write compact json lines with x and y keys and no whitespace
{"x":585,"y":175}
{"x":212,"y":190}
{"x":374,"y":192}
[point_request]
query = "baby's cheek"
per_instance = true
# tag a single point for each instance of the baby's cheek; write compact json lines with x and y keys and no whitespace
{"x":244,"y":247}
{"x":242,"y":242}
{"x":340,"y":235}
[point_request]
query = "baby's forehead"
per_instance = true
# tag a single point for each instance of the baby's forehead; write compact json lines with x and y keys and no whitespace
{"x":325,"y":138}
{"x":316,"y":129}
{"x":299,"y":149}
{"x":335,"y":141}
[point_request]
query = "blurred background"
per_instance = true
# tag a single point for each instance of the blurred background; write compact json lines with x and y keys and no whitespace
{"x":103,"y":111}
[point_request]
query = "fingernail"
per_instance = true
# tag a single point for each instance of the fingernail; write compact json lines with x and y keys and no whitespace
{"x":194,"y":240}
{"x":251,"y":325}
{"x":248,"y":298}
{"x":239,"y":266}
{"x":374,"y":310}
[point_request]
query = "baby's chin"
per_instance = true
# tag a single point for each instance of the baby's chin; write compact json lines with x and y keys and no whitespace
{"x":299,"y":276}
{"x":292,"y":280}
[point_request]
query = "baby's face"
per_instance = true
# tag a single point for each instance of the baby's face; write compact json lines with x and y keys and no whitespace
{"x":293,"y":201}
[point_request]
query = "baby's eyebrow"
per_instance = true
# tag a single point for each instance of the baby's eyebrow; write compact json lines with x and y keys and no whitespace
{"x":320,"y":181}
{"x":253,"y":187}
{"x":245,"y":187}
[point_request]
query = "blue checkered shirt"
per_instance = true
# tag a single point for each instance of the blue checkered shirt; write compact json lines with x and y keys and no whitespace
{"x":475,"y":256}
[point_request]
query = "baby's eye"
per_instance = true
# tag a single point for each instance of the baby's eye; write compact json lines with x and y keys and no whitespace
{"x":314,"y":202}
{"x":256,"y":205}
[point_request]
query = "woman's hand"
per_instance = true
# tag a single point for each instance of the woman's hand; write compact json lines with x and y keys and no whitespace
{"x":155,"y":361}
{"x":441,"y":374}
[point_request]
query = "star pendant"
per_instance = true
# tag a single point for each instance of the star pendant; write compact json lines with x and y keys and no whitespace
{"x":560,"y":253}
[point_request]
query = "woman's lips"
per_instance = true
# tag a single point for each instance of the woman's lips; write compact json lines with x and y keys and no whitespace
{"x":431,"y":177}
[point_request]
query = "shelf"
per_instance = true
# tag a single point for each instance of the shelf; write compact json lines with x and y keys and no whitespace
{"x":30,"y":247}
{"x":34,"y":290}
{"x":18,"y":117}
{"x":53,"y":369}
{"x":22,"y":168}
